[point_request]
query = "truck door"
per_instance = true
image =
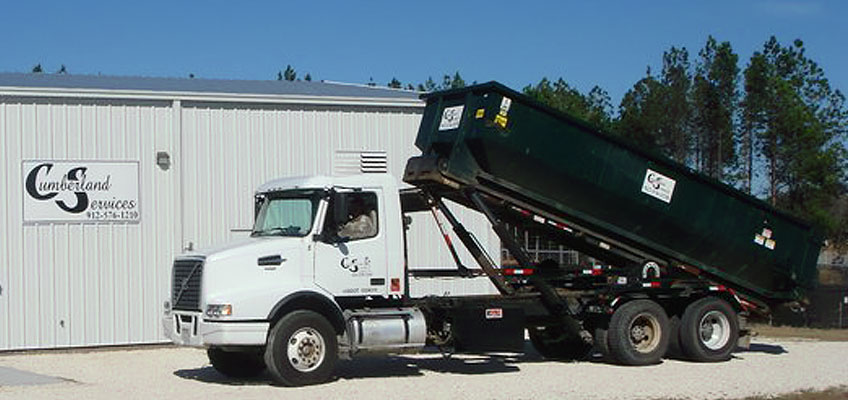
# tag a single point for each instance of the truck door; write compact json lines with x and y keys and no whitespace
{"x":350,"y":257}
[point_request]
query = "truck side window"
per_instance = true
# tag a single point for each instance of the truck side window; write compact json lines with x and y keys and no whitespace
{"x":361,"y":220}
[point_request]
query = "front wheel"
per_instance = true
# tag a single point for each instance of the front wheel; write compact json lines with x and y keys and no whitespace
{"x":709,"y":330}
{"x":638,"y":333}
{"x":302,"y":349}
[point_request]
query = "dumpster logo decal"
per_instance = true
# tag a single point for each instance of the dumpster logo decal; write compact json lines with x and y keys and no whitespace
{"x":658,"y":185}
{"x":80,"y":191}
{"x":451,"y":117}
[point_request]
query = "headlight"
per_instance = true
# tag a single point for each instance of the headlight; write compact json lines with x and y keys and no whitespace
{"x":219,"y":310}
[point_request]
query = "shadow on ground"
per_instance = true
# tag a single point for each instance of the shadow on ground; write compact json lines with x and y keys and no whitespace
{"x":406,"y":366}
{"x":764,"y":348}
{"x":210,"y":375}
{"x":390,"y":366}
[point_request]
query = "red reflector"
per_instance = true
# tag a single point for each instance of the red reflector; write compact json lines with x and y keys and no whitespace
{"x":517,"y":271}
{"x":395,"y":285}
{"x":494,"y":313}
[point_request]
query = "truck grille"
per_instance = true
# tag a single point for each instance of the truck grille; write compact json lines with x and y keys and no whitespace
{"x":185,"y":285}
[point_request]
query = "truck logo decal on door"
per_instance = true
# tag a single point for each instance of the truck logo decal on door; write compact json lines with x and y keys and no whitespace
{"x":358,"y":266}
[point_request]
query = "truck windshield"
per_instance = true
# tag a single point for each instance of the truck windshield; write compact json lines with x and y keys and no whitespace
{"x":286,"y":214}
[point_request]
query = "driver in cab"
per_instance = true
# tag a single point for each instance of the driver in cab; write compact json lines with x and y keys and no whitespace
{"x":361,"y":220}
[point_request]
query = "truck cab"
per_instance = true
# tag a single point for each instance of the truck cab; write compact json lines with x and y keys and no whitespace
{"x":317,"y":242}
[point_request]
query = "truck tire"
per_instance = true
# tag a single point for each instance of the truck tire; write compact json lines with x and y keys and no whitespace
{"x":236,"y":364}
{"x":638,"y":333}
{"x":709,"y":330}
{"x":556,"y":343}
{"x":302,"y":349}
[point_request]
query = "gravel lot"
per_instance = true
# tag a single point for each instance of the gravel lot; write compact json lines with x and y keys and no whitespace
{"x":772,"y":366}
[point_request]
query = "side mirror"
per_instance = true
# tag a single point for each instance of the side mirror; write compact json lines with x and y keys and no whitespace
{"x":323,"y":237}
{"x":337,"y":212}
{"x":257,"y":205}
{"x":330,"y":237}
{"x":339,"y":209}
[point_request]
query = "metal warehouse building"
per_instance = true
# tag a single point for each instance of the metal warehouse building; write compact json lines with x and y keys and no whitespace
{"x":103,"y":180}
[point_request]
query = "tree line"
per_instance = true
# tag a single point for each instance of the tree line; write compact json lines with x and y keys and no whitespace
{"x":775,"y":129}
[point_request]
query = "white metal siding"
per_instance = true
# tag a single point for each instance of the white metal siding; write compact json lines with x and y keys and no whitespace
{"x":85,"y":284}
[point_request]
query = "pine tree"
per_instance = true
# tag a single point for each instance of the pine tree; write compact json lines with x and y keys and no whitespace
{"x":428,"y":86}
{"x":289,"y":74}
{"x":715,"y":99}
{"x":675,"y":134}
{"x":798,"y":123}
{"x":593,"y":107}
{"x":641,"y":113}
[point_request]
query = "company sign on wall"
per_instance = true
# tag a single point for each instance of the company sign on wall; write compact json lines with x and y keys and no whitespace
{"x":80,"y":191}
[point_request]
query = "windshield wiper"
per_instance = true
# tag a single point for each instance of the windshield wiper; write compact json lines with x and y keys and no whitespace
{"x":287,"y":231}
{"x":268,"y":232}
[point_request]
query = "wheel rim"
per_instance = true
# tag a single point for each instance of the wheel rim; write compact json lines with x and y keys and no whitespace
{"x":306,"y":349}
{"x":714,"y":330}
{"x":645,"y":333}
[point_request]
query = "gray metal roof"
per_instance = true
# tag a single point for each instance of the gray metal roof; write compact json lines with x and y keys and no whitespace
{"x":194,"y":85}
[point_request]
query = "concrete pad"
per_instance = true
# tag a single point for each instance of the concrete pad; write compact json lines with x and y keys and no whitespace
{"x":16,"y":377}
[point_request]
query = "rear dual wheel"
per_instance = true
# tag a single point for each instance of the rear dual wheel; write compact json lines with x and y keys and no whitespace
{"x":638,"y":333}
{"x":709,"y":330}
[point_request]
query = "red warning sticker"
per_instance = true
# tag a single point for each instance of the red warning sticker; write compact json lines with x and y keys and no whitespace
{"x":494,"y":313}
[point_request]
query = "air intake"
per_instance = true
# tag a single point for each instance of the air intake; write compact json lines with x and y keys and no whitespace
{"x":352,"y":162}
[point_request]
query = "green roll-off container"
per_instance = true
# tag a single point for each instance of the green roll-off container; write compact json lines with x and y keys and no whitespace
{"x":488,"y":135}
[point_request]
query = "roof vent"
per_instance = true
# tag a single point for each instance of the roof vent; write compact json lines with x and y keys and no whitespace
{"x":351,"y":162}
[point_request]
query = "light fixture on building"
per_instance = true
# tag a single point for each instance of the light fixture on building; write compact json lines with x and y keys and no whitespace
{"x":163,"y":160}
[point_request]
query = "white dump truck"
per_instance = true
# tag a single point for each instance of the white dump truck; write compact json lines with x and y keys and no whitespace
{"x":324,"y":272}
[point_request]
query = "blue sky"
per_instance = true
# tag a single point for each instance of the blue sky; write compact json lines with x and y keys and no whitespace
{"x":515,"y":42}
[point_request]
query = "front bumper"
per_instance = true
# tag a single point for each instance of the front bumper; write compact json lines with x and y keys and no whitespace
{"x":187,"y":328}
